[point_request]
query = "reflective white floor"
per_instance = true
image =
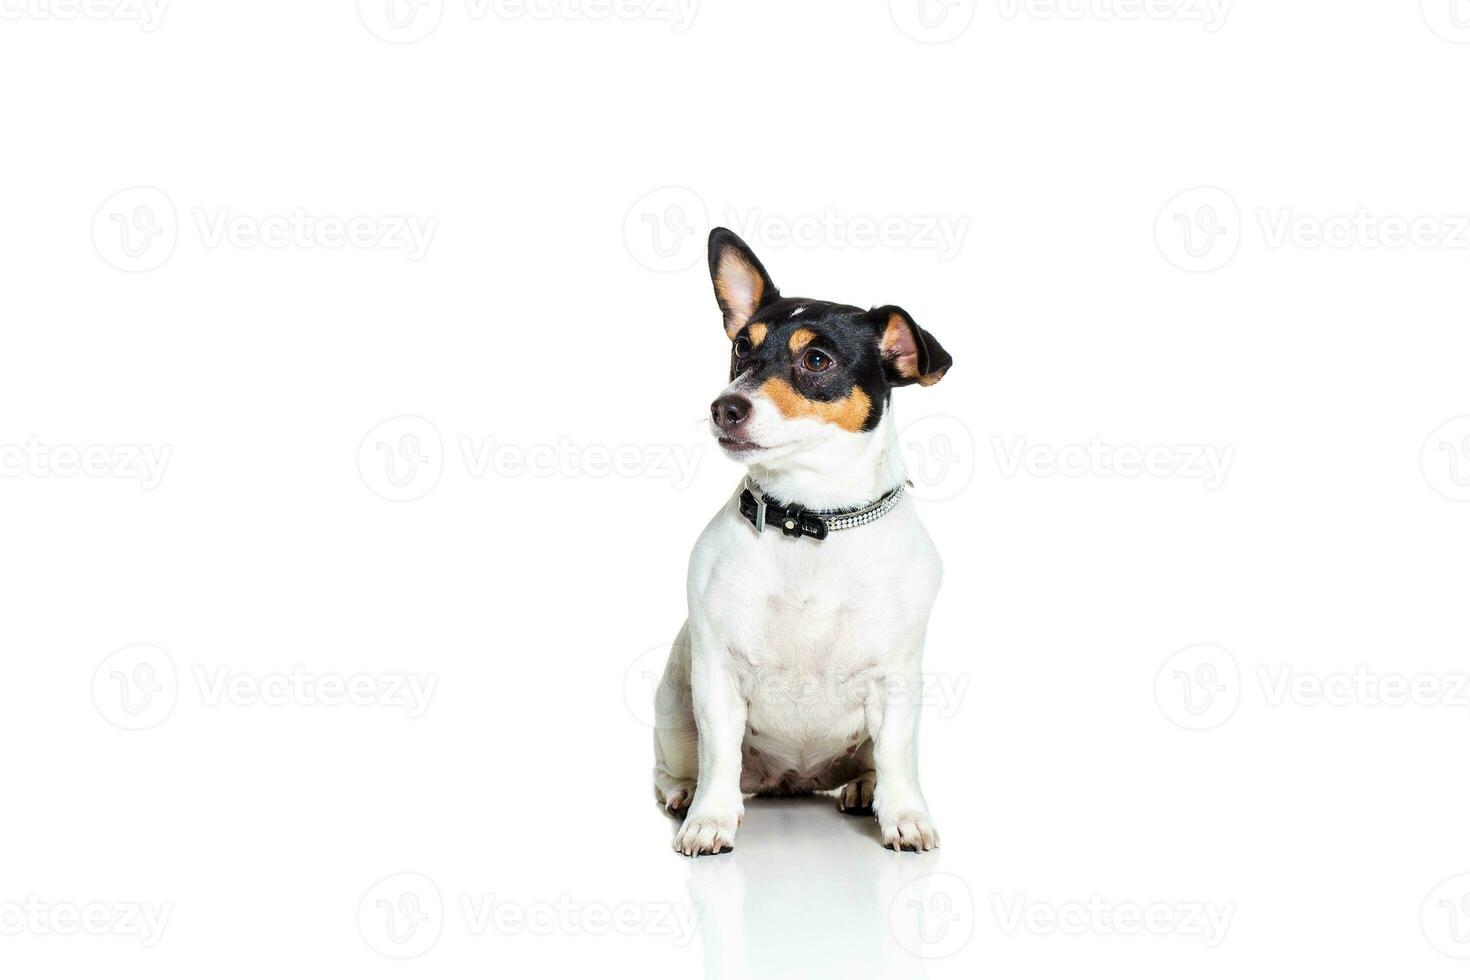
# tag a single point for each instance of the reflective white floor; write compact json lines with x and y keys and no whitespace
{"x":811,"y":892}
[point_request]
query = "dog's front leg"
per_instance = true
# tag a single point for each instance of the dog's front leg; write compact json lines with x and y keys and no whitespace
{"x":719,"y":714}
{"x":903,"y":817}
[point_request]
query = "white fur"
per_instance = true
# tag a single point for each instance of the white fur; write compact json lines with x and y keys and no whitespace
{"x":799,"y":666}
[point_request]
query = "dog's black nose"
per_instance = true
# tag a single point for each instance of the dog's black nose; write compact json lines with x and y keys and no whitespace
{"x":728,"y":411}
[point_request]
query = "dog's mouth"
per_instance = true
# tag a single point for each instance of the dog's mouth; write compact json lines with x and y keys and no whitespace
{"x":739,"y":447}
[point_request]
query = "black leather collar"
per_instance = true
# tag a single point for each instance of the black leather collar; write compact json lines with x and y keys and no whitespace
{"x":796,"y":521}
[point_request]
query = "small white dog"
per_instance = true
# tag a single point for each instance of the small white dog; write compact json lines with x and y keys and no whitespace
{"x":809,"y":593}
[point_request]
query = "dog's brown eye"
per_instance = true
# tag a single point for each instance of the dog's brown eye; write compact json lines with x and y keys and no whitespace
{"x":816,"y":361}
{"x":742,"y":347}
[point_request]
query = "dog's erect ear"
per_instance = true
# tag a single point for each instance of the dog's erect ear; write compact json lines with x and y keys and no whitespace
{"x":741,"y":283}
{"x":910,"y":353}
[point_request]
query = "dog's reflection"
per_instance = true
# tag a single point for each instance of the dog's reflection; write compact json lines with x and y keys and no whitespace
{"x":807,"y":891}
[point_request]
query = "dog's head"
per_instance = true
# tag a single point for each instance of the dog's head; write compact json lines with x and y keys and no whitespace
{"x":806,"y":375}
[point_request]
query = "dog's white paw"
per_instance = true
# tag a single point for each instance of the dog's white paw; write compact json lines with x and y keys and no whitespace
{"x":856,"y":797}
{"x":674,"y":795}
{"x":908,"y":830}
{"x":707,"y":832}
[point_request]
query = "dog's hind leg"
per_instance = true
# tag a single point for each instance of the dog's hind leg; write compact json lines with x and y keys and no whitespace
{"x":856,"y":796}
{"x":675,"y":735}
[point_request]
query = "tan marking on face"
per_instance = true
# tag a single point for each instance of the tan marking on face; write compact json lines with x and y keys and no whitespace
{"x":757,"y":334}
{"x":800,"y":337}
{"x":849,"y":412}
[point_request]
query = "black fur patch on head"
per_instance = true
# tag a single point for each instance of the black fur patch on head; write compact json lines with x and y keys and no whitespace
{"x":844,"y":335}
{"x":826,"y":360}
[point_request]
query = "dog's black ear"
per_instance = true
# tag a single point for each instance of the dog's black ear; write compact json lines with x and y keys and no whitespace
{"x":741,"y":283}
{"x":910,"y":353}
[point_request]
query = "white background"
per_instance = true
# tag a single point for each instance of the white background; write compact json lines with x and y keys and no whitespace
{"x":569,"y":166}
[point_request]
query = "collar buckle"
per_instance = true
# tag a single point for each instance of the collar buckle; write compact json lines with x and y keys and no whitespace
{"x":759,"y":520}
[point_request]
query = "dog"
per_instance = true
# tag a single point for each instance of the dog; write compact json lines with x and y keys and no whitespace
{"x":809,"y":593}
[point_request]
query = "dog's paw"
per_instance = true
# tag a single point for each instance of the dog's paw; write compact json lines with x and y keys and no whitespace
{"x":707,"y":832}
{"x":675,"y":795}
{"x":856,"y":797}
{"x":908,"y":830}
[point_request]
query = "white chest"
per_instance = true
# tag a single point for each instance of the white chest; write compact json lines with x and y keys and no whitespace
{"x":808,"y":626}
